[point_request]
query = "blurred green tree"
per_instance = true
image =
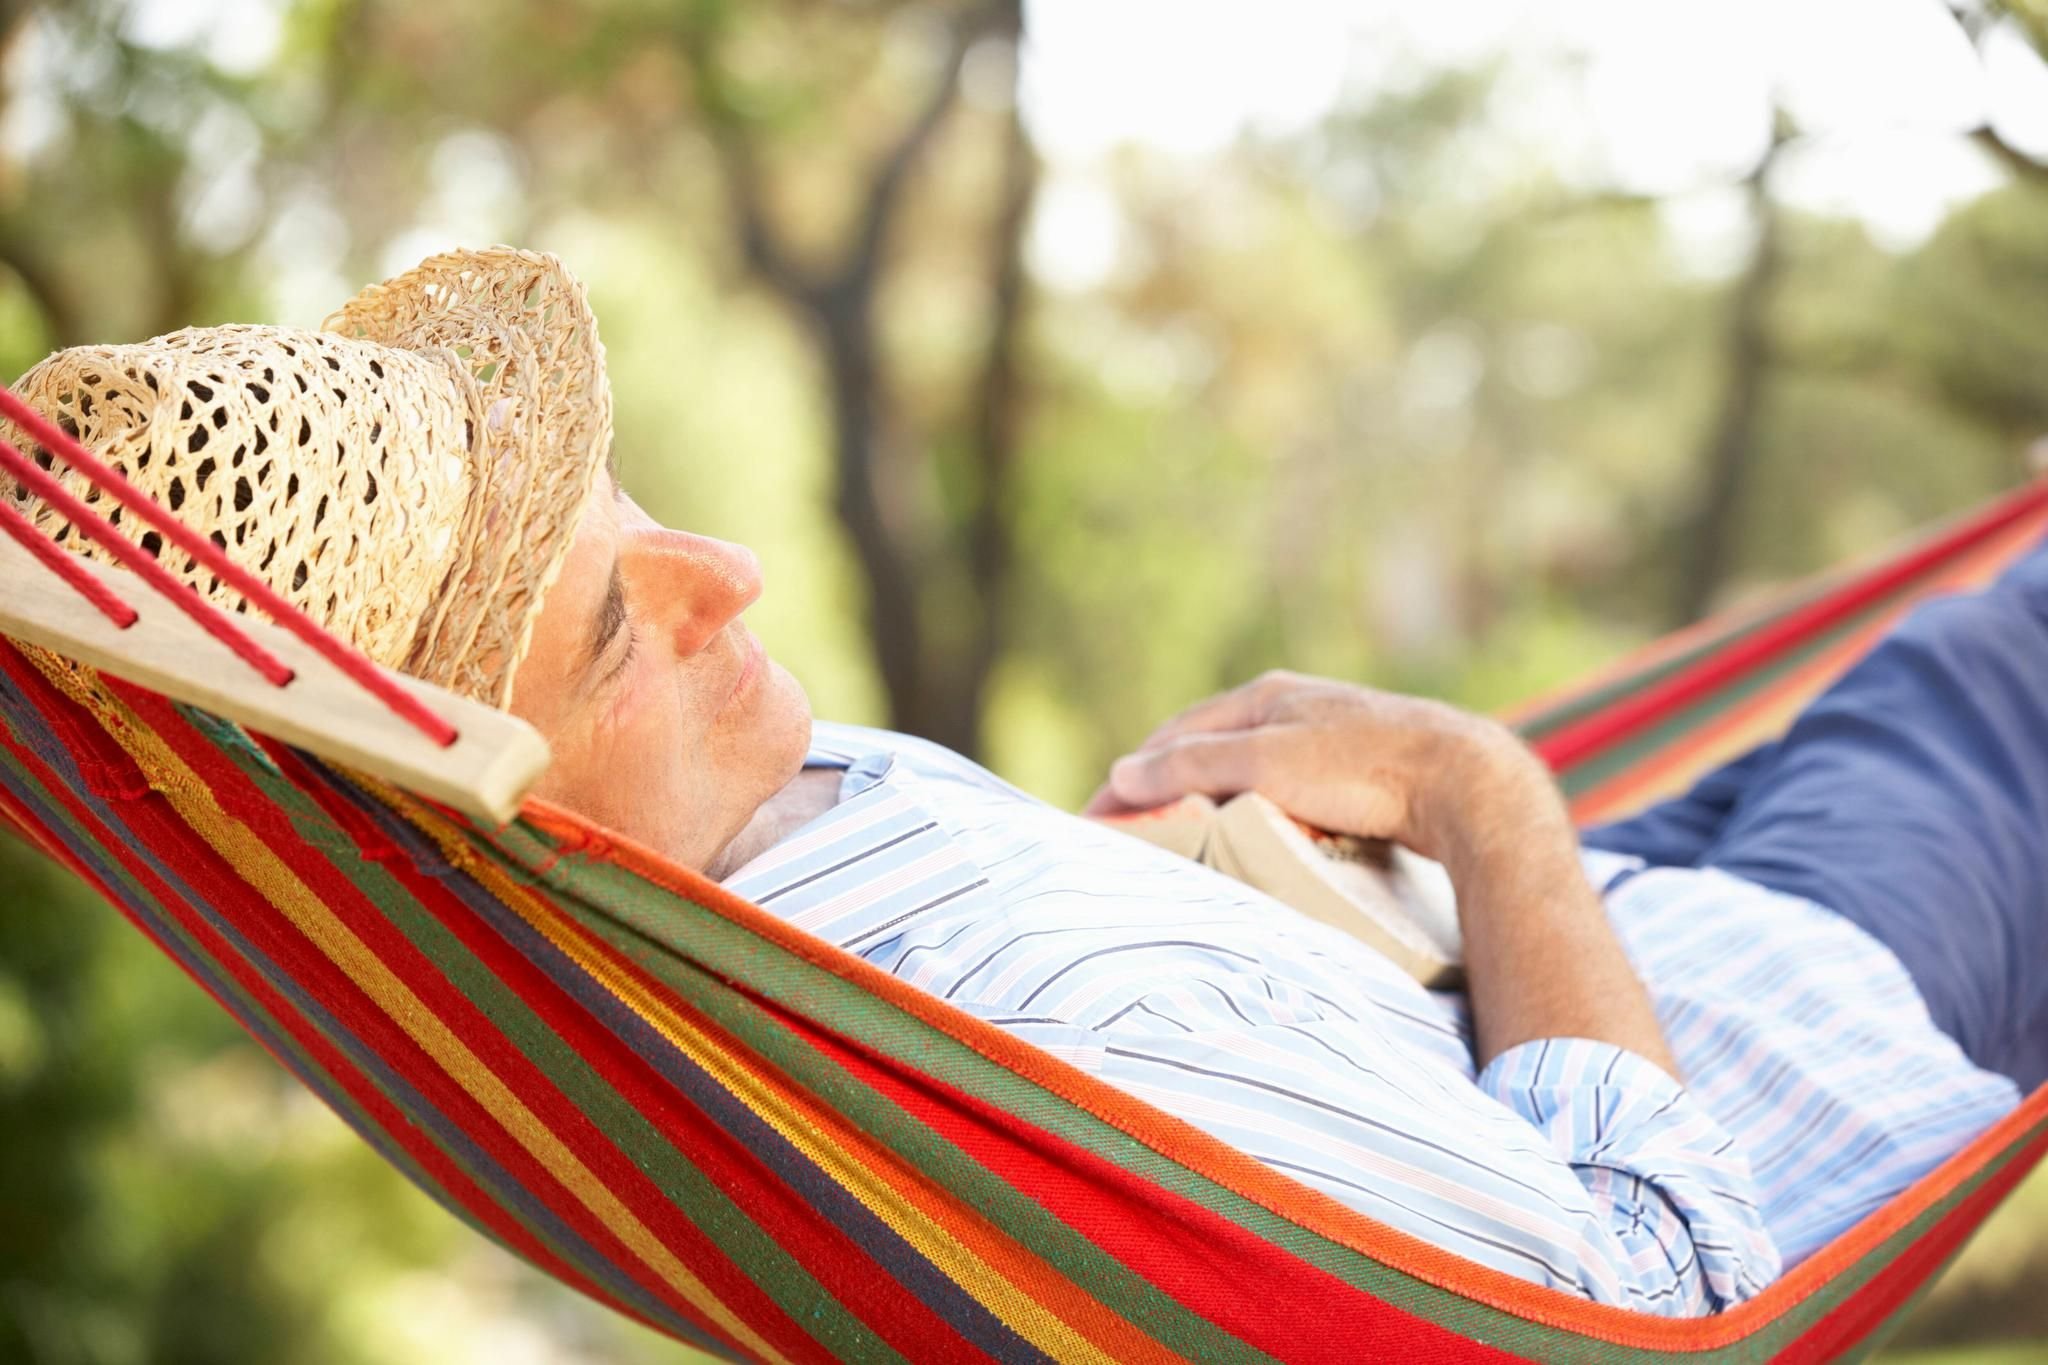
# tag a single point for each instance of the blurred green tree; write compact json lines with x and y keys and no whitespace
{"x":1390,"y":399}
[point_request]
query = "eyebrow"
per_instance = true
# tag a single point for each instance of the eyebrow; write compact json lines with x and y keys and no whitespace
{"x":611,"y":618}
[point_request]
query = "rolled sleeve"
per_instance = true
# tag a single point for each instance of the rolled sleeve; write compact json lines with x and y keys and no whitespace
{"x":1672,"y":1187}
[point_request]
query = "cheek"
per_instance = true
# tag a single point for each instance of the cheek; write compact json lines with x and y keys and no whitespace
{"x":658,"y":692}
{"x":645,"y":750}
{"x":624,"y":767}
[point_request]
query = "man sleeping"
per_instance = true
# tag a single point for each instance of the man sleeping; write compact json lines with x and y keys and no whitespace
{"x":1691,"y":1049}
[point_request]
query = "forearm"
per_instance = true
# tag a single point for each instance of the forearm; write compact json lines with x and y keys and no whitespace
{"x":1541,"y":960}
{"x":1665,"y":1215}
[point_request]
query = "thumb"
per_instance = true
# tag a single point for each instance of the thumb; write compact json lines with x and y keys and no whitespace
{"x":1211,"y":764}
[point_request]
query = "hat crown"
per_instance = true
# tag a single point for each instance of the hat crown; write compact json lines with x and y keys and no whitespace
{"x":520,"y":327}
{"x":411,"y":477}
{"x":334,"y":469}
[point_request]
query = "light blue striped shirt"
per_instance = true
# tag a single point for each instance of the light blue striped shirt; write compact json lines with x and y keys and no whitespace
{"x":1817,"y":1085}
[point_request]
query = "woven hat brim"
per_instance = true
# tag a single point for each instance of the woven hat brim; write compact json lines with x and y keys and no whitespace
{"x":521,"y":327}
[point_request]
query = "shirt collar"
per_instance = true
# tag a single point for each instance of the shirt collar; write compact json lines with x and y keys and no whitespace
{"x":867,"y":870}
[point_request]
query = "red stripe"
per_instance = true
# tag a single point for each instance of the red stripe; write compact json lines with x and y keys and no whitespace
{"x":1871,"y":1306}
{"x":311,"y":969}
{"x":1247,"y":1286}
{"x":151,"y":823}
{"x":17,"y":820}
{"x":563,"y":1119}
{"x":842,"y":1267}
{"x":1575,"y":743}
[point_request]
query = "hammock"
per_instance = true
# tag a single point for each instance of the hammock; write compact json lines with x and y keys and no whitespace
{"x":751,"y":1140}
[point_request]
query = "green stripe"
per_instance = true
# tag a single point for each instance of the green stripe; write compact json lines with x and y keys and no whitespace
{"x":1569,"y":710}
{"x":653,"y":922}
{"x":298,"y":1058}
{"x":1621,"y":758}
{"x":641,"y":923}
{"x":688,"y":1190}
{"x":231,"y":740}
{"x":656,"y":925}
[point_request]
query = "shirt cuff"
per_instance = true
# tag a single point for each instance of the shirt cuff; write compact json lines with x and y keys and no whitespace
{"x":1673,"y":1187}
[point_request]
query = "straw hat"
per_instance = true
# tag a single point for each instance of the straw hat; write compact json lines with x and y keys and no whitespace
{"x":410,"y":476}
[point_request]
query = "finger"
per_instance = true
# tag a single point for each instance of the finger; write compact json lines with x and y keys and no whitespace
{"x":1212,"y":764}
{"x":1232,"y":710}
{"x":1240,"y":708}
{"x":1105,"y":802}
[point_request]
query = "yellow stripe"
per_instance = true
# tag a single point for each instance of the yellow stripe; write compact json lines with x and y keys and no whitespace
{"x":792,"y":1114}
{"x":256,"y":863}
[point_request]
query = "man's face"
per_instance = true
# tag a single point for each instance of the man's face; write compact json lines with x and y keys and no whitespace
{"x":668,"y":722}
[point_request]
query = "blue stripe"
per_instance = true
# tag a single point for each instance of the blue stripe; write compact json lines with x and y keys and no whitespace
{"x":544,"y":1225}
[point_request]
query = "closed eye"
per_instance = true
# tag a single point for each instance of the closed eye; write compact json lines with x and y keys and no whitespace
{"x":617,"y":670}
{"x":606,"y":626}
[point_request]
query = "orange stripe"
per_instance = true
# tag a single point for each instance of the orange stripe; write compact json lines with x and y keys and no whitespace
{"x":1671,"y":770}
{"x":1051,"y":1289}
{"x":1309,"y":1209}
{"x":265,"y":870}
{"x":1015,"y":1285}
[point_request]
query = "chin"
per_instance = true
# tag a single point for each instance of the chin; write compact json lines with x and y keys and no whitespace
{"x":785,"y":723}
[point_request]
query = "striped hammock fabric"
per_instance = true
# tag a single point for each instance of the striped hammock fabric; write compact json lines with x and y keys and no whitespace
{"x":692,"y":1112}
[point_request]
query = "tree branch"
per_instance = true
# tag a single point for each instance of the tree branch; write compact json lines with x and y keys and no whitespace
{"x":937,"y":697}
{"x":1729,"y":450}
{"x":2016,"y":162}
{"x":1976,"y":21}
{"x":760,"y":242}
{"x":49,"y":294}
{"x":885,"y":191}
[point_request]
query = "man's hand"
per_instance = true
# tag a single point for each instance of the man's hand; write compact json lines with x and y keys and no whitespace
{"x":1540,"y":958}
{"x":1348,"y":759}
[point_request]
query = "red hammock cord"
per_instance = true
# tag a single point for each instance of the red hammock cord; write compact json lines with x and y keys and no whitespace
{"x":63,"y":565}
{"x":88,"y":523}
{"x":214,"y":621}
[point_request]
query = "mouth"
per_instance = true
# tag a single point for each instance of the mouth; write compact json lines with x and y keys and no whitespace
{"x":752,"y":657}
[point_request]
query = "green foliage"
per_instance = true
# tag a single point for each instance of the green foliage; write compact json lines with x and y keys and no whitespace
{"x":1387,"y":400}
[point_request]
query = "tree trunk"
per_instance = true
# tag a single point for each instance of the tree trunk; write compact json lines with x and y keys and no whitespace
{"x":938,"y":695}
{"x":1708,"y":543}
{"x":859,"y":429}
{"x":50,"y":295}
{"x":998,"y":421}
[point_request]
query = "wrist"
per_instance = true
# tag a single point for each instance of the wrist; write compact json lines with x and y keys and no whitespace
{"x":1493,"y":805}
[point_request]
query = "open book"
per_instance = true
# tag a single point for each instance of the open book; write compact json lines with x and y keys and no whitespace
{"x":1396,"y":901}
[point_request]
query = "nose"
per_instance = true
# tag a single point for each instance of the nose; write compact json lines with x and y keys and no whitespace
{"x":693,"y":586}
